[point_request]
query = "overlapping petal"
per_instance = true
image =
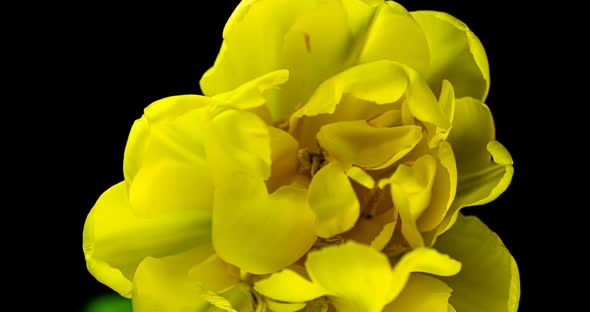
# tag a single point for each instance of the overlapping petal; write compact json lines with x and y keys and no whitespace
{"x":422,"y":293}
{"x":456,"y":54}
{"x":116,"y":240}
{"x":484,"y":166}
{"x":489,"y":279}
{"x":163,"y":284}
{"x":258,"y":232}
{"x":332,"y":199}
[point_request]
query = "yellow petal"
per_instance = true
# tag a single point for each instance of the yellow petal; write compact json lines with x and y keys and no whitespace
{"x":214,"y":274}
{"x":170,"y":187}
{"x":484,"y":166}
{"x":258,"y":232}
{"x":332,"y":199}
{"x":394,"y":35}
{"x":253,"y":40}
{"x":489,"y":279}
{"x":359,"y":143}
{"x":422,"y":293}
{"x":424,"y":260}
{"x":375,"y":231}
{"x":443,"y":189}
{"x":315,"y":48}
{"x":238,"y":141}
{"x":411,"y":187}
{"x":116,"y":240}
{"x":252,"y":93}
{"x":357,"y":277}
{"x":163,"y":284}
{"x":289,"y":286}
{"x":456,"y":54}
{"x":284,"y":160}
{"x":361,"y":177}
{"x":276,"y":306}
{"x":163,"y":132}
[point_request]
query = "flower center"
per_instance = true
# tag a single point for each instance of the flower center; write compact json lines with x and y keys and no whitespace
{"x":311,"y":161}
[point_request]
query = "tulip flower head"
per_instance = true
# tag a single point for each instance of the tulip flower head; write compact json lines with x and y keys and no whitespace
{"x":323,"y":169}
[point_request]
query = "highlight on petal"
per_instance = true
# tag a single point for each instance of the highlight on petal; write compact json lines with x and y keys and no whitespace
{"x":332,"y":199}
{"x":116,"y":241}
{"x":357,"y":277}
{"x":359,"y":143}
{"x":456,"y":54}
{"x":289,"y":286}
{"x":169,"y":128}
{"x":394,"y":35}
{"x":258,"y":232}
{"x":489,"y":279}
{"x":422,"y":293}
{"x":163,"y":284}
{"x":484,"y":166}
{"x":238,"y":141}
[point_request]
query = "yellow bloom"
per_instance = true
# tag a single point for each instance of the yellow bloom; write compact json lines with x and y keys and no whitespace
{"x":325,"y":169}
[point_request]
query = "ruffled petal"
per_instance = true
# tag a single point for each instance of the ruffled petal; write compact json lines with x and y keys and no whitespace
{"x":359,"y":143}
{"x":116,"y":240}
{"x":422,"y":293}
{"x":484,"y":166}
{"x":333,"y":200}
{"x":411,"y":189}
{"x":258,"y":232}
{"x":164,"y":285}
{"x":456,"y":54}
{"x":423,"y":260}
{"x":489,"y":279}
{"x":443,"y":189}
{"x":357,"y":277}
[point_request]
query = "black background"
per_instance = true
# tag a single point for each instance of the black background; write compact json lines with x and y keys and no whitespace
{"x":118,"y":61}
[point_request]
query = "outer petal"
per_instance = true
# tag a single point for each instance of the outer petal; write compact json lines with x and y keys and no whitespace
{"x":116,"y":241}
{"x":170,"y":188}
{"x":359,"y":143}
{"x":422,"y":293}
{"x":214,"y":274}
{"x":456,"y":54}
{"x":489,"y":279}
{"x":333,"y":200}
{"x":357,"y":277}
{"x":163,"y":284}
{"x":162,"y":132}
{"x":484,"y":166}
{"x":258,"y":232}
{"x":394,"y":35}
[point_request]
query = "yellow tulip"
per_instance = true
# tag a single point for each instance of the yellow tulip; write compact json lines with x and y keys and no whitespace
{"x":324,"y":169}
